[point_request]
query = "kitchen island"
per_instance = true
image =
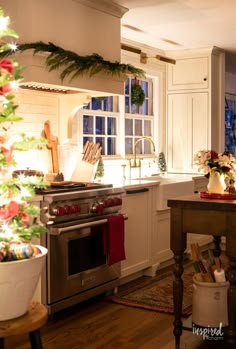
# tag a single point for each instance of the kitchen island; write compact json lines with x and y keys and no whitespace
{"x":191,"y":214}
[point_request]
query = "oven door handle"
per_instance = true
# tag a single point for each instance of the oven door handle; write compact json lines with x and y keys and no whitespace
{"x":59,"y":231}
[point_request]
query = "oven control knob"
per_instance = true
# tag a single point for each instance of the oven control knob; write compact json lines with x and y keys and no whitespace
{"x":106,"y":203}
{"x":76,"y":208}
{"x":69,"y":209}
{"x":60,"y":211}
{"x":97,"y":207}
{"x":117,"y":201}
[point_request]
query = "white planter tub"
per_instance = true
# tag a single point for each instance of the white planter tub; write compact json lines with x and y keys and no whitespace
{"x":18,"y":281}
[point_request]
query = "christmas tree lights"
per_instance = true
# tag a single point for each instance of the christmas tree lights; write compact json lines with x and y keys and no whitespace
{"x":18,"y":216}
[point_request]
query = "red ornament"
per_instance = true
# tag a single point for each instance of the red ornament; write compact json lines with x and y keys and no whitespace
{"x":7,"y":65}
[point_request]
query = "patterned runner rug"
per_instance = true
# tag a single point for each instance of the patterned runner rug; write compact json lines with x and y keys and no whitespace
{"x":156,"y":293}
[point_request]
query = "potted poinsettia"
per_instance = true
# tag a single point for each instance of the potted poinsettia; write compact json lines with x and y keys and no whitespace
{"x":21,"y":261}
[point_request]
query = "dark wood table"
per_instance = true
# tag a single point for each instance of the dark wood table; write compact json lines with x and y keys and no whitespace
{"x":192,"y":214}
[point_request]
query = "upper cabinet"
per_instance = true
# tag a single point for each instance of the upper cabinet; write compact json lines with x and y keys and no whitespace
{"x":189,"y":73}
{"x":195,"y":106}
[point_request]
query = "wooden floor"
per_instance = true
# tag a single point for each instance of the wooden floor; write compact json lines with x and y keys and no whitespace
{"x":100,"y":324}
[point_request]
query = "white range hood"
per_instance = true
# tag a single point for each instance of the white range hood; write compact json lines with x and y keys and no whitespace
{"x":37,"y":77}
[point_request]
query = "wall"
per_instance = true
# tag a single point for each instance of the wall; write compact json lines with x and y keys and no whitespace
{"x":35,"y":108}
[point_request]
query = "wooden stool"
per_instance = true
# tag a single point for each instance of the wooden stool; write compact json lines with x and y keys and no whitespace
{"x":29,"y":323}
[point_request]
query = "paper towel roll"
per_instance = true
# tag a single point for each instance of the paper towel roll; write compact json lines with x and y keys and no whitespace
{"x":219,"y":275}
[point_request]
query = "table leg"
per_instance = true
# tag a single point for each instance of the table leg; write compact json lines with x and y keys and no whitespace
{"x":231,"y":275}
{"x":1,"y":343}
{"x":217,"y":249}
{"x":178,"y":298}
{"x":178,"y":246}
{"x":35,"y":339}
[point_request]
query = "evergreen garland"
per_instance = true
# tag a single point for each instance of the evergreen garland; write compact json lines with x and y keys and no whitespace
{"x":74,"y":64}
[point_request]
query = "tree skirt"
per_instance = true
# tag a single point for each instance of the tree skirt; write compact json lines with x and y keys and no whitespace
{"x":156,"y":293}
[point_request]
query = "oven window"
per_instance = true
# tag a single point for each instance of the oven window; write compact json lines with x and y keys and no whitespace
{"x":86,"y":252}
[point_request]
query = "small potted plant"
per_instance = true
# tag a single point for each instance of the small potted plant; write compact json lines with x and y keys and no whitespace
{"x":21,"y":261}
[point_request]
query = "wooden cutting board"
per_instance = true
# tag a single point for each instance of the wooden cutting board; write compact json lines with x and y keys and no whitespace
{"x":52,"y":145}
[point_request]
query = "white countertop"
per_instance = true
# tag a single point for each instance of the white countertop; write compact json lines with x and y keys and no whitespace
{"x":155,"y":180}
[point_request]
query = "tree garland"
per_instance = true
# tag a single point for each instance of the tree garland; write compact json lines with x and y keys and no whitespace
{"x":74,"y":64}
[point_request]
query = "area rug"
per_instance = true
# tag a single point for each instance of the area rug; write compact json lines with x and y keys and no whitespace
{"x":156,"y":293}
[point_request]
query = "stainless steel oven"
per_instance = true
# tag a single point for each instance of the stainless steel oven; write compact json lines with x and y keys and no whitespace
{"x":77,"y":266}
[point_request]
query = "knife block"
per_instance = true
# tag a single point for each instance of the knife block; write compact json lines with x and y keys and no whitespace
{"x":84,"y":171}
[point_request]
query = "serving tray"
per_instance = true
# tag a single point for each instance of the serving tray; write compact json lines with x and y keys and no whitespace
{"x":226,"y":196}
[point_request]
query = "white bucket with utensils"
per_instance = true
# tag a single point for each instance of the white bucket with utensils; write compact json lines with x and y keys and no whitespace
{"x":210,"y":303}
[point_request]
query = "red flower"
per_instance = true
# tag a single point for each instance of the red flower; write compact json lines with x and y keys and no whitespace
{"x":7,"y":65}
{"x":214,"y":155}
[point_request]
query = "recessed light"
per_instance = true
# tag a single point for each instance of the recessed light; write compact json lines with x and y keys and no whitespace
{"x":171,"y":42}
{"x":132,"y":28}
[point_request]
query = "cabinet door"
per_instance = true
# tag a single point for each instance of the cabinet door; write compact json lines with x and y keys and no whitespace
{"x":137,"y":230}
{"x":161,"y":237}
{"x":188,"y":130}
{"x":188,"y":73}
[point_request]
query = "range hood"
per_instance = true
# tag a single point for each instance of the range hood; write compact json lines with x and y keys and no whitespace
{"x":81,"y":26}
{"x":36,"y":76}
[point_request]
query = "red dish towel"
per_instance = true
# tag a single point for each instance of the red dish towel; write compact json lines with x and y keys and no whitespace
{"x":114,"y":239}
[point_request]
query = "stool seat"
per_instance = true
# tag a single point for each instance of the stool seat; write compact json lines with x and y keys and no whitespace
{"x":30,"y":323}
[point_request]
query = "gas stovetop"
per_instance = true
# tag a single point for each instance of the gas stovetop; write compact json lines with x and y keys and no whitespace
{"x":67,"y":186}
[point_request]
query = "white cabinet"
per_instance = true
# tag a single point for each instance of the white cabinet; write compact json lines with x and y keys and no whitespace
{"x":161,"y":237}
{"x":187,"y":129}
{"x":137,"y":205}
{"x":195,"y":106}
{"x":189,"y":73}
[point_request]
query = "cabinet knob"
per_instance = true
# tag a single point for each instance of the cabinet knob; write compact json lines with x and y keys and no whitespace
{"x":204,"y":79}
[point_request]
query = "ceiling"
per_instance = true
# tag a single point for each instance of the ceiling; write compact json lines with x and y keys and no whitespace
{"x":181,"y":24}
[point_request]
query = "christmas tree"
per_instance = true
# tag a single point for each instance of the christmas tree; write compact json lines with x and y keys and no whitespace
{"x":162,"y":162}
{"x":18,"y":217}
{"x":100,"y":169}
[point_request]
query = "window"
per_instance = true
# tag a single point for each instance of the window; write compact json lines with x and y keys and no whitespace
{"x":138,"y":119}
{"x":100,"y":123}
{"x":101,"y":120}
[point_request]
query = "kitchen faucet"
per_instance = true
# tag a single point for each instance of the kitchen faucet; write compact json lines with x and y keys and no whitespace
{"x":150,"y":140}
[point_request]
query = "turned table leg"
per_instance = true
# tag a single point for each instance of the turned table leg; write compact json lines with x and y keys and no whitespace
{"x":178,"y":246}
{"x":231,"y":275}
{"x":217,"y":248}
{"x":178,"y":298}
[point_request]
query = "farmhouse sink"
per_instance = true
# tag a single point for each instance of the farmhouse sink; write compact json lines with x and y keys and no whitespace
{"x":169,"y":189}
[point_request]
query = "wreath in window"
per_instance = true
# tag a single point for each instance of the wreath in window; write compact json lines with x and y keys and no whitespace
{"x":137,"y":95}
